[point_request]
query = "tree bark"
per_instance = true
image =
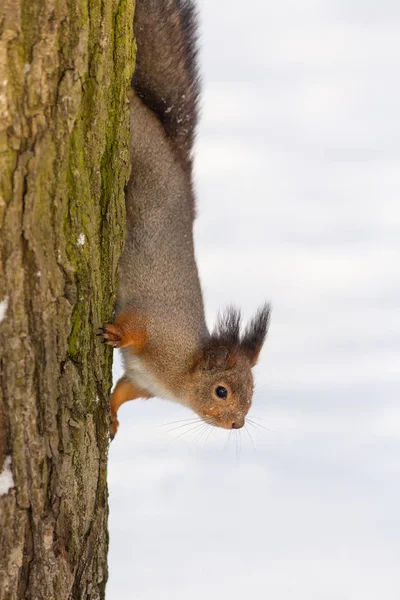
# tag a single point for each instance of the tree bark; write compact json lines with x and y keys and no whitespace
{"x":65,"y":70}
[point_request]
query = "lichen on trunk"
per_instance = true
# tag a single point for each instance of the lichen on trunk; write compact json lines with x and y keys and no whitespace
{"x":65,"y":71}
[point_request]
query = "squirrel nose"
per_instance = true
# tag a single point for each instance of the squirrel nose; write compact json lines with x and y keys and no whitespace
{"x":237,"y":424}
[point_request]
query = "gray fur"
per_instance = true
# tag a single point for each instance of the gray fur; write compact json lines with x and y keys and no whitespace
{"x":157,"y":272}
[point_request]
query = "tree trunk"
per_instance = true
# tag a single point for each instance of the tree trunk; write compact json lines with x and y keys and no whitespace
{"x":65,"y":70}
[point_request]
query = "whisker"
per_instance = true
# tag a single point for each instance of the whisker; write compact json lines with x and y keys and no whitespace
{"x":260,"y":426}
{"x":180,"y":421}
{"x":249,"y":436}
{"x":259,"y":419}
{"x":185,"y":425}
{"x":208,"y":434}
{"x":199,"y":435}
{"x":254,"y":427}
{"x":187,"y":431}
{"x":228,"y":439}
{"x":206,"y":420}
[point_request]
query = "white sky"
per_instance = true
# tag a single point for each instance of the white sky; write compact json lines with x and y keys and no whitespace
{"x":298,"y":185}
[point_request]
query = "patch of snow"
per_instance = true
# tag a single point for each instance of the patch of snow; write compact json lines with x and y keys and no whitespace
{"x":3,"y":308}
{"x":6,"y":477}
{"x":81,"y":239}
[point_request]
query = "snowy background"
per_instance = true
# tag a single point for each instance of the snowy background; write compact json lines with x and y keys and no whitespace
{"x":298,"y":185}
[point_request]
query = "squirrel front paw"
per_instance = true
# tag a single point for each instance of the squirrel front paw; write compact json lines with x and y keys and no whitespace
{"x":111,"y":335}
{"x":124,"y":332}
{"x":113,"y":427}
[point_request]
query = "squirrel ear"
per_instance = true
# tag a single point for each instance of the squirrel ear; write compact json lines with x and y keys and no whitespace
{"x":255,"y":334}
{"x":220,"y":351}
{"x":215,"y":357}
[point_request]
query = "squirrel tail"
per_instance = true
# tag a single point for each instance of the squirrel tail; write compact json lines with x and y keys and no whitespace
{"x":166,"y":78}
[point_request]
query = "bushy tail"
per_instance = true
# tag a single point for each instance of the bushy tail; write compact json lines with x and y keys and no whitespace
{"x":166,"y":76}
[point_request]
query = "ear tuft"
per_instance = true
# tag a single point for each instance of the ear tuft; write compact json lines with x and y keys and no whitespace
{"x":227,"y":329}
{"x":255,"y":334}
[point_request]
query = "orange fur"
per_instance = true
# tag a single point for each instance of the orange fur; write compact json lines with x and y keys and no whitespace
{"x":123,"y":392}
{"x":126,"y":331}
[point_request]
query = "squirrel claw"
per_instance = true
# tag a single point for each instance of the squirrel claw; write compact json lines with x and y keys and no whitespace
{"x":110,"y":335}
{"x":113,"y":427}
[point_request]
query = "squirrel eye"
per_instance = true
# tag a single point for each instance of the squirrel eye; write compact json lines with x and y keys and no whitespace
{"x":221,"y":391}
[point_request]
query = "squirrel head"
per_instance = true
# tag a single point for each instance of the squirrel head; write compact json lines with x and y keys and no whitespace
{"x":221,"y":387}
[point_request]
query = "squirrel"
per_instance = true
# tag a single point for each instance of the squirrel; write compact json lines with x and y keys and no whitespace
{"x":160,"y":324}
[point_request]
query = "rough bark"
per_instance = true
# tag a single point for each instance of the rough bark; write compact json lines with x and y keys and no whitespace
{"x":65,"y":69}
